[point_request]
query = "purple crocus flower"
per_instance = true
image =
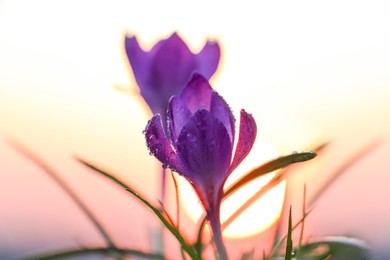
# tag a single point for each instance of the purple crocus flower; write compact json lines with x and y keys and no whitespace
{"x":199,"y":144}
{"x":164,"y":70}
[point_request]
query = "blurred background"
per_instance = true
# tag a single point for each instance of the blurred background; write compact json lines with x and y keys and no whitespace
{"x":310,"y":72}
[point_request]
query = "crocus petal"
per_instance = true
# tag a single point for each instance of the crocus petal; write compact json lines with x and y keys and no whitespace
{"x":138,"y":59}
{"x":204,"y":148}
{"x":159,"y":145}
{"x":197,"y":93}
{"x":221,"y":110}
{"x":246,"y":138}
{"x":208,"y":59}
{"x":178,"y":115}
{"x":171,"y":66}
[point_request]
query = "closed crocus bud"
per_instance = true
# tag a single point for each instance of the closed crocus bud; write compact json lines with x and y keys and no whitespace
{"x":164,"y":70}
{"x":199,"y":144}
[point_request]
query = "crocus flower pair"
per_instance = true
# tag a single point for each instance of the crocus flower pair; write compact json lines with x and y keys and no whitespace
{"x":195,"y":138}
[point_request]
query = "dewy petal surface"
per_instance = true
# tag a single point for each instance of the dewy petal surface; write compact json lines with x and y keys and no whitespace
{"x":246,"y":138}
{"x":221,"y":110}
{"x":208,"y":59}
{"x":205,"y":149}
{"x":160,"y":146}
{"x":138,"y":59}
{"x":197,"y":93}
{"x":178,"y":115}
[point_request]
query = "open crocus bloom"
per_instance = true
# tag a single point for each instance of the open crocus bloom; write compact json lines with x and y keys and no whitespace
{"x":200,"y":142}
{"x":164,"y":70}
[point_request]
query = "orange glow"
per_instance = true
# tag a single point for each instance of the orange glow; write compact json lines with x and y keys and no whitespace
{"x":263,"y":213}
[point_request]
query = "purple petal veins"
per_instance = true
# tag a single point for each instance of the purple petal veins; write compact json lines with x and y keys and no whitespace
{"x":205,"y":149}
{"x":221,"y":110}
{"x":178,"y":115}
{"x":197,"y":93}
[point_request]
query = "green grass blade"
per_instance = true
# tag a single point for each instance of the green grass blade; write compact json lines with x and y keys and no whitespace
{"x":268,"y":167}
{"x":198,"y":244}
{"x":343,"y":168}
{"x":158,"y":212}
{"x":272,"y":183}
{"x":289,"y":245}
{"x":104,"y":173}
{"x":276,"y":248}
{"x":108,"y":252}
{"x":189,"y":249}
{"x":46,"y":168}
{"x":249,"y":202}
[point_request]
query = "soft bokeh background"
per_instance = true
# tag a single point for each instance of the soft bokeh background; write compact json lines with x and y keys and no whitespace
{"x":309,"y":71}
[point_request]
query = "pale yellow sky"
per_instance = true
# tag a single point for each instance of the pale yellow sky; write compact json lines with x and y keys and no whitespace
{"x":309,"y":71}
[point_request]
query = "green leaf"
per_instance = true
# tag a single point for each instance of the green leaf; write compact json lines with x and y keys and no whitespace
{"x":268,"y":167}
{"x":166,"y":220}
{"x":289,"y":244}
{"x":337,"y":247}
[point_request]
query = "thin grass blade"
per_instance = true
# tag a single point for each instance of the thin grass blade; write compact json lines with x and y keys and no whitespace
{"x":289,"y":245}
{"x":268,"y":167}
{"x":166,"y":220}
{"x":85,"y":252}
{"x":276,"y":248}
{"x":342,"y":169}
{"x":46,"y":168}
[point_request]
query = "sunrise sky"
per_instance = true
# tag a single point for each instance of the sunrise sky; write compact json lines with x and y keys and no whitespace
{"x":309,"y":72}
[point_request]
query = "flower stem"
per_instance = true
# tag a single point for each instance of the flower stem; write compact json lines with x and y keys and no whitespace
{"x":215,"y":224}
{"x":159,"y":234}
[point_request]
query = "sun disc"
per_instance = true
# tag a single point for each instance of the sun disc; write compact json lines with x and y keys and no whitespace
{"x":260,"y":215}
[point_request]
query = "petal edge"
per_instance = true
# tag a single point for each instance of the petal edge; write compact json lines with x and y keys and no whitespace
{"x":159,"y":145}
{"x":208,"y":59}
{"x":246,"y":139}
